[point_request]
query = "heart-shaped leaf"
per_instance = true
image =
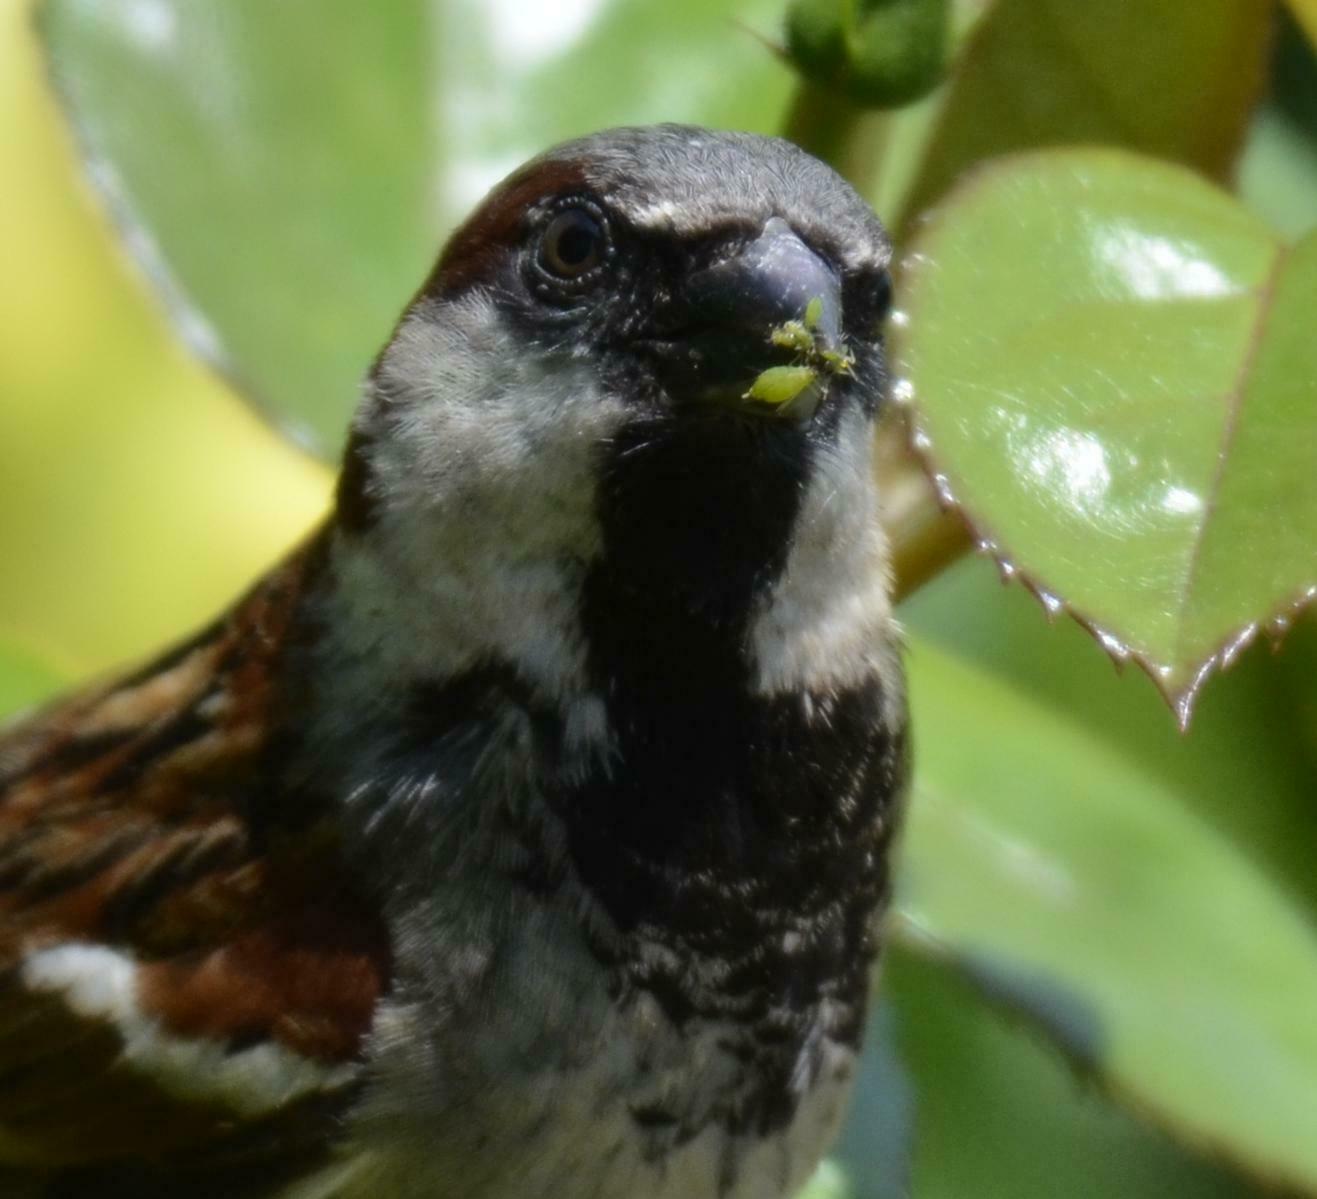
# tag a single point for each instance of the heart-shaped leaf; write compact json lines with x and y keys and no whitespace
{"x":1082,"y":894}
{"x":1115,"y":377}
{"x":286,"y":171}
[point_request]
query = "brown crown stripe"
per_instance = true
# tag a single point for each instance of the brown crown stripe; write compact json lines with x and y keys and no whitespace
{"x":498,"y":224}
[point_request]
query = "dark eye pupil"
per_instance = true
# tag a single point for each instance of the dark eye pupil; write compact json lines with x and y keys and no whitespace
{"x":573,"y":243}
{"x":576,"y":245}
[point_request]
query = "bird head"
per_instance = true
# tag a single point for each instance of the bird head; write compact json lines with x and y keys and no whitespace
{"x":643,"y":349}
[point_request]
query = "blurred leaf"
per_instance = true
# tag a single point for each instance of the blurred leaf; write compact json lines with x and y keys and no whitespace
{"x":23,"y":680}
{"x":1306,"y":13}
{"x":999,"y":1116}
{"x":286,"y":171}
{"x":1297,"y":693}
{"x":829,"y":1182}
{"x":876,"y":1149}
{"x":1278,"y":171}
{"x":1111,"y":360}
{"x":1246,"y":765}
{"x":1173,"y":80}
{"x":1294,"y":74}
{"x":136,"y":494}
{"x":1082,"y":894}
{"x":270,"y":165}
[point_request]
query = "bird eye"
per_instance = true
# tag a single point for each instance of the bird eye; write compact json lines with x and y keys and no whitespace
{"x":573,"y":243}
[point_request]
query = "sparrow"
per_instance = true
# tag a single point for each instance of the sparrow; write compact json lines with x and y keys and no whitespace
{"x":526,"y":831}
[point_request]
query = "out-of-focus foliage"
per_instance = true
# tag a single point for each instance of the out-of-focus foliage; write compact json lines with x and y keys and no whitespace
{"x":878,"y":52}
{"x":1166,"y":77}
{"x":1000,"y":1117}
{"x":136,"y":496}
{"x":1069,"y":886}
{"x":23,"y":680}
{"x":331,"y":144}
{"x":1306,"y":12}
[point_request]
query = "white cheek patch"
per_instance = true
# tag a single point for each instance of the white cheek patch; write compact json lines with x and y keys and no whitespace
{"x":486,"y":464}
{"x":100,"y":984}
{"x":826,"y":624}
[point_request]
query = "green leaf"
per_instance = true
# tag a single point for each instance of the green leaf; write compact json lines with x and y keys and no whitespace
{"x":1305,"y":11}
{"x":829,"y":1182}
{"x":1278,"y":173}
{"x":1278,"y":169}
{"x":270,"y":164}
{"x":1176,"y":80}
{"x":1081,"y":893}
{"x":23,"y":680}
{"x":999,"y":1115}
{"x":1115,"y":377}
{"x":286,"y":171}
{"x":877,"y":1145}
{"x":1245,"y":765}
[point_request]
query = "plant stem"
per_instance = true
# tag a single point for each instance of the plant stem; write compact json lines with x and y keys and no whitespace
{"x":924,"y":537}
{"x":851,"y":139}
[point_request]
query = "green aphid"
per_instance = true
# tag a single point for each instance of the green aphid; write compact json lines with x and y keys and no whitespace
{"x":779,"y":385}
{"x":838,"y":362}
{"x":792,"y":335}
{"x":802,"y":339}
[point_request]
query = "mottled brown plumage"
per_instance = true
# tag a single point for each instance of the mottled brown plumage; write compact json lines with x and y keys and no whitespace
{"x":139,"y":815}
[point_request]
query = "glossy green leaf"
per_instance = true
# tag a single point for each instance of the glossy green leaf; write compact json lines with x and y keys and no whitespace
{"x":1115,"y":376}
{"x":1084,"y":895}
{"x":286,"y":171}
{"x":23,"y":680}
{"x":1176,"y":80}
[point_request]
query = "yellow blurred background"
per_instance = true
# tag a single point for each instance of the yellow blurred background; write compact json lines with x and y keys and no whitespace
{"x":137,"y":494}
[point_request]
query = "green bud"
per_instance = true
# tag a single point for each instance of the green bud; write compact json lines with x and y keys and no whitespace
{"x":878,"y":53}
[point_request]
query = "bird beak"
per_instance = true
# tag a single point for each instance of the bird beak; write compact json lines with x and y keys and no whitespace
{"x":760,"y":331}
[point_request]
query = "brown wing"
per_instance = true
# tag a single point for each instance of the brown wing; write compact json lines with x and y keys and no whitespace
{"x":184,"y":971}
